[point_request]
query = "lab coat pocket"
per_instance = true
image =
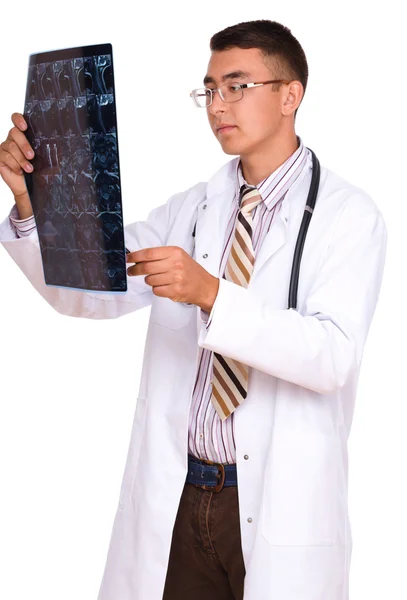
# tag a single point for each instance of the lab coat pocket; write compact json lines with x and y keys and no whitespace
{"x":133,"y":452}
{"x":172,"y":315}
{"x":300,"y":496}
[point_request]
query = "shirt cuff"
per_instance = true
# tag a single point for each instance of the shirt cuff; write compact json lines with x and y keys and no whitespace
{"x":207,"y":317}
{"x":22,"y":227}
{"x":204,"y":315}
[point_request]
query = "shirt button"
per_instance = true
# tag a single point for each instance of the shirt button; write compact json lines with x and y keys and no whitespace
{"x":201,"y":435}
{"x":204,"y":256}
{"x":246,"y":456}
{"x":249,"y":520}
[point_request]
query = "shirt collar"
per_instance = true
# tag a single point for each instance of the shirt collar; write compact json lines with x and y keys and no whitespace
{"x":276,"y":185}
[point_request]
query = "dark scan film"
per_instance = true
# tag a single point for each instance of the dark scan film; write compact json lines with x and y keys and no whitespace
{"x":75,"y":187}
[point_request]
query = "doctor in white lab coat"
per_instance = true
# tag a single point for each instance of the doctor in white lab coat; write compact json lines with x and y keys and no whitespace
{"x":293,"y":426}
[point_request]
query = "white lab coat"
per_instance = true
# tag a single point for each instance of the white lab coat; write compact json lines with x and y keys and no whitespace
{"x":295,"y":421}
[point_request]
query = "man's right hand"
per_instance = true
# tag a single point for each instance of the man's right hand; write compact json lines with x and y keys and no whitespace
{"x":14,"y":157}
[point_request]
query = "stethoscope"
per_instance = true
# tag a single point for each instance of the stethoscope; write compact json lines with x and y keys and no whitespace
{"x":308,"y":210}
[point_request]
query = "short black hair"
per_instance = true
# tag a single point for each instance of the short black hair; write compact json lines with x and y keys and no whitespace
{"x":276,"y":42}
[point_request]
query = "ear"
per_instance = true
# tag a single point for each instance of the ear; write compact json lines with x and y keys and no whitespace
{"x":292,"y":96}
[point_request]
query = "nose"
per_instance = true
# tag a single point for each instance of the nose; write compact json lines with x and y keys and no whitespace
{"x":217,"y":104}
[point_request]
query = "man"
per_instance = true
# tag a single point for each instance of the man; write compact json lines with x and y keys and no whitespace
{"x":235,"y":483}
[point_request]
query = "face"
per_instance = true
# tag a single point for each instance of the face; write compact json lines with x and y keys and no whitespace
{"x":259,"y":116}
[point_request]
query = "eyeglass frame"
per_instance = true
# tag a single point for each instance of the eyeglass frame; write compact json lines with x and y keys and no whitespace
{"x":242,"y":86}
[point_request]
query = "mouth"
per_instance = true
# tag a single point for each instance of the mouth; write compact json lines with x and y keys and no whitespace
{"x":226,"y":128}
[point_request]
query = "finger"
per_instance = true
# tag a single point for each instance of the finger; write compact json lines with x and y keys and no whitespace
{"x":21,"y":140}
{"x":12,"y":156}
{"x":129,"y":256}
{"x":161,"y":279}
{"x":138,"y":269}
{"x":153,"y":271}
{"x":131,"y":271}
{"x":135,"y":257}
{"x":6,"y":159}
{"x":19,"y":121}
{"x":152,"y":254}
{"x":165,"y":291}
{"x":154,"y":267}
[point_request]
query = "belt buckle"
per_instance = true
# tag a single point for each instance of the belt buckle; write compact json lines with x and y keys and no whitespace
{"x":221,"y":475}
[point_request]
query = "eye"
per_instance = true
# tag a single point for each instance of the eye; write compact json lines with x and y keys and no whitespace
{"x":234,"y":87}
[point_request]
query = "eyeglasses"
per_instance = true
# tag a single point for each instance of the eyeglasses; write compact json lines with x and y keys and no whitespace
{"x":229,"y":92}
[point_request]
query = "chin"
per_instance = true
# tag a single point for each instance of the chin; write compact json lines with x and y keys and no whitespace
{"x":231,"y":147}
{"x":231,"y":151}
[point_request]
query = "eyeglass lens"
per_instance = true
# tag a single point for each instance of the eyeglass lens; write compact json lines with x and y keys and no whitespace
{"x":229,"y":92}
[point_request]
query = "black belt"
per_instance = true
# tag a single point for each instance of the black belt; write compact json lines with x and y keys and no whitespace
{"x":210,"y":475}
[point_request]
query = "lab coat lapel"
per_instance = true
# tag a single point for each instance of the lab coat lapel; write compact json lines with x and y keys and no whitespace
{"x":211,"y":230}
{"x":274,"y":239}
{"x":213,"y":216}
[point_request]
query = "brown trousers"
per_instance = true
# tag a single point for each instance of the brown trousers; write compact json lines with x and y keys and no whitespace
{"x":206,"y":561}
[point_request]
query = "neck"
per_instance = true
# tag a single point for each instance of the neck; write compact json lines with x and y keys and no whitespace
{"x":264,"y":160}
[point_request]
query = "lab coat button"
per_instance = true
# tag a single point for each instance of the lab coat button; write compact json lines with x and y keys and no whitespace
{"x":249,"y":520}
{"x":204,"y":256}
{"x":246,"y":456}
{"x":204,"y":206}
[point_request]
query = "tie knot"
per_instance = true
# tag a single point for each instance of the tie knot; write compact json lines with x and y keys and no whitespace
{"x":249,"y":199}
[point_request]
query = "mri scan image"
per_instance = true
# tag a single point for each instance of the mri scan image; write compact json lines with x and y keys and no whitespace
{"x":75,"y":187}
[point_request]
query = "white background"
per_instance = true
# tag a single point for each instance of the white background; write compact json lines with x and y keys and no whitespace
{"x":69,"y":386}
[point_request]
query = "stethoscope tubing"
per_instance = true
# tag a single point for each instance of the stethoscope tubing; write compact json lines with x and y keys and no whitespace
{"x":308,"y":210}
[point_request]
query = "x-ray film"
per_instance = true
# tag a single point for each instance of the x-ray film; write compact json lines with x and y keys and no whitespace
{"x":75,"y":187}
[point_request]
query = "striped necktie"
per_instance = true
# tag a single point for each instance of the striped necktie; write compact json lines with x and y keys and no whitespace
{"x":230,"y":377}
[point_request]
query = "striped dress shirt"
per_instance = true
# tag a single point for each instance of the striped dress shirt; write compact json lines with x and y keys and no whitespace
{"x":208,"y":436}
{"x":22,"y":227}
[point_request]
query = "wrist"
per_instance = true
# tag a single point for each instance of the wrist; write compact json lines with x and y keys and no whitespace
{"x":209,"y":301}
{"x":23,"y":204}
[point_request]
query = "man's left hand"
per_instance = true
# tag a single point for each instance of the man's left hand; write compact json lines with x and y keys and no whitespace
{"x":174,"y":274}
